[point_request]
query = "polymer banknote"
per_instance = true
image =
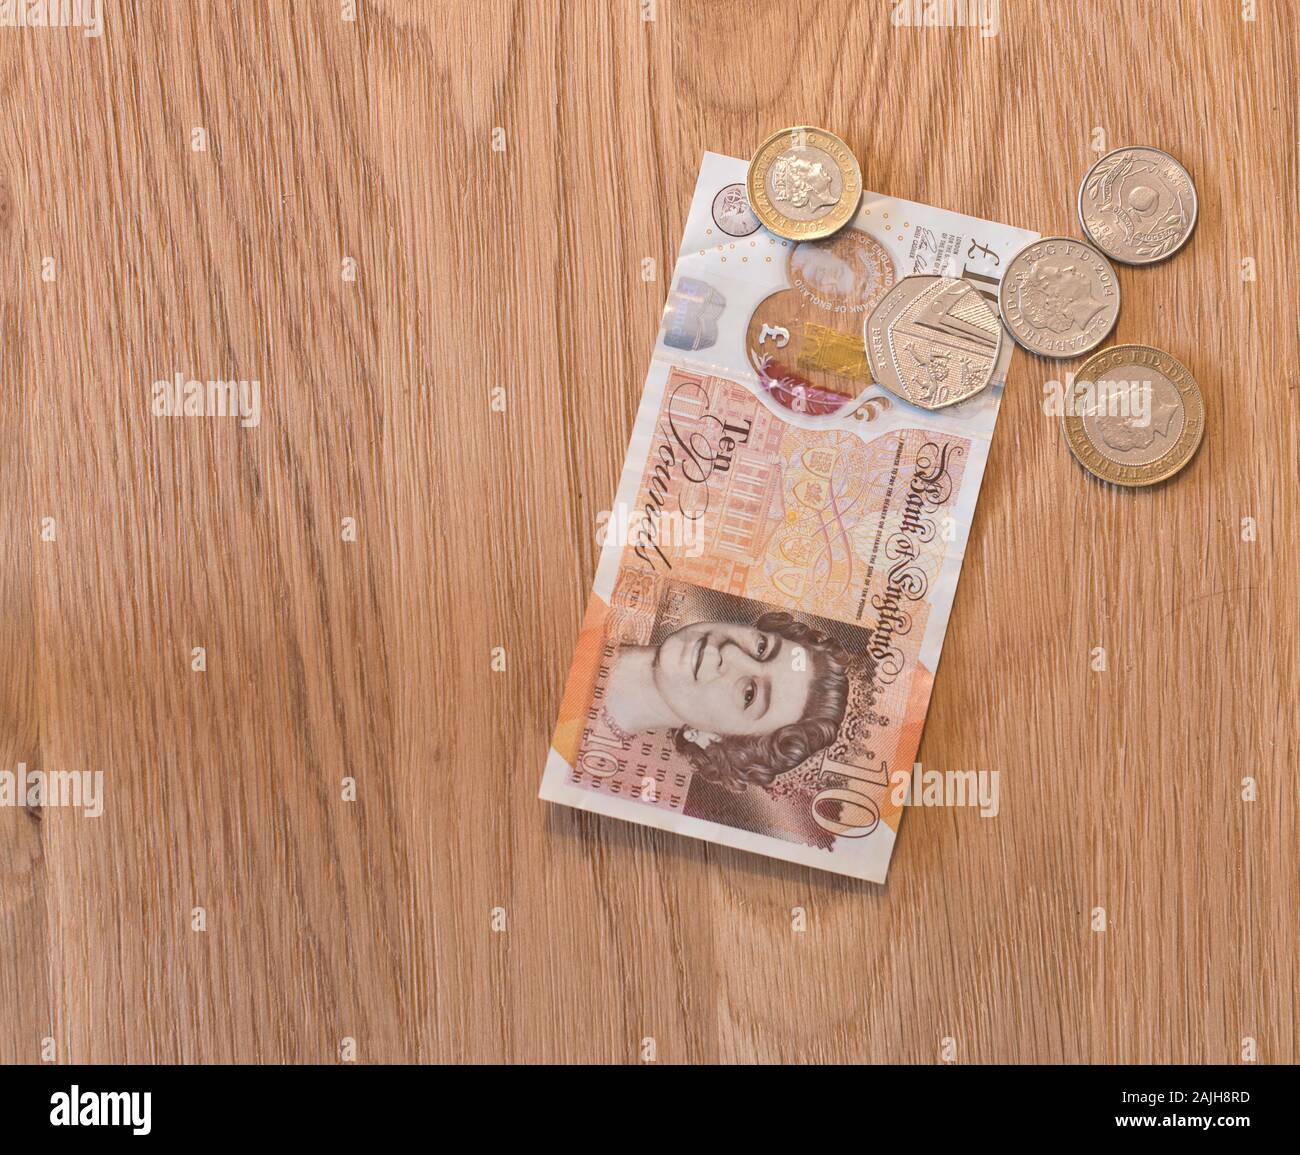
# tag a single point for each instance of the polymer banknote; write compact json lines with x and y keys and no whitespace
{"x":777,"y":571}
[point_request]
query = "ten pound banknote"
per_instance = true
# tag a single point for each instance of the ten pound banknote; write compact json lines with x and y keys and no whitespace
{"x":776,"y":574}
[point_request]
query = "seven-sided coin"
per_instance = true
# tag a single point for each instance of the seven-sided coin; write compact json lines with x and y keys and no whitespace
{"x":933,"y":341}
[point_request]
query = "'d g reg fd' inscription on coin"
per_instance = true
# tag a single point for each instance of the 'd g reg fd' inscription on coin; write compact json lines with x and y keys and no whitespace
{"x":804,"y":183}
{"x":1059,"y":297}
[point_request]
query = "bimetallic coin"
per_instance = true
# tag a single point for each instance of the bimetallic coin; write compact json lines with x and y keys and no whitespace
{"x":933,"y":341}
{"x":1137,"y":205}
{"x":1059,"y":297}
{"x":804,"y":183}
{"x":1134,"y":416}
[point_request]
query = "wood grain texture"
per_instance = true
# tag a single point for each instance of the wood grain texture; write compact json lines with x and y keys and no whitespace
{"x":329,"y":659}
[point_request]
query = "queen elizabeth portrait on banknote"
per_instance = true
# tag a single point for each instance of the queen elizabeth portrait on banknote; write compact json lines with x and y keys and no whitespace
{"x":744,"y":702}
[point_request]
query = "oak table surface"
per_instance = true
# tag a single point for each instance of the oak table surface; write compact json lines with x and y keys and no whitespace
{"x":231,"y":905}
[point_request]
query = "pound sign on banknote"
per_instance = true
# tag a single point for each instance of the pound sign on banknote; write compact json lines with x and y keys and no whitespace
{"x":781,"y":336}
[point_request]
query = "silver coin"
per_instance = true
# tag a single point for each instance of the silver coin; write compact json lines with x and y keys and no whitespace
{"x":1137,"y":205}
{"x":1059,"y":297}
{"x":933,"y":341}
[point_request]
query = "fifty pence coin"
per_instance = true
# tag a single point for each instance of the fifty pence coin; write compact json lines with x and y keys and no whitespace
{"x":804,"y":183}
{"x":933,"y":341}
{"x":1137,"y":205}
{"x":1134,"y":416}
{"x":1059,"y":297}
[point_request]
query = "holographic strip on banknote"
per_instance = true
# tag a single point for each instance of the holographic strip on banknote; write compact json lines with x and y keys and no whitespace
{"x":756,"y":658}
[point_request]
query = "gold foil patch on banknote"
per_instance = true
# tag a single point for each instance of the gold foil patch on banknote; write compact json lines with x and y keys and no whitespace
{"x":805,"y":343}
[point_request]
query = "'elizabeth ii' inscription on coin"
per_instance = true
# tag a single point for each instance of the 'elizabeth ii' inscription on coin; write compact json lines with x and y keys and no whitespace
{"x":804,"y":183}
{"x":1135,"y":415}
{"x":1059,"y":297}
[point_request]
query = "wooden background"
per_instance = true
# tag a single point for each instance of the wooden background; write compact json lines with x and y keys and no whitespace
{"x":328,"y":659}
